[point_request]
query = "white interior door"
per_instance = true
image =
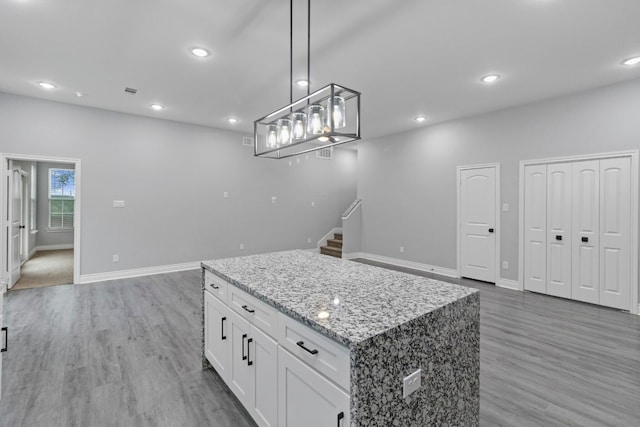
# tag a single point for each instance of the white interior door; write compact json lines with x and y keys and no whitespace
{"x":585,"y":274}
{"x":535,"y":228}
{"x":559,"y":229}
{"x":615,"y":233}
{"x":14,"y":219}
{"x":478,"y":223}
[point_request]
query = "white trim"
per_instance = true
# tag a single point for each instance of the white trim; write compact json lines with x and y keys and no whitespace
{"x":4,"y":158}
{"x":353,"y":255}
{"x":351,"y":209}
{"x":329,"y":235}
{"x":633,"y":154}
{"x":137,"y":272}
{"x":53,"y":247}
{"x":497,"y":225}
{"x":449,"y":272}
{"x":508,"y":284}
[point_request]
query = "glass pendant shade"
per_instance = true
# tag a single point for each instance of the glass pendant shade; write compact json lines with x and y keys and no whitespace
{"x":337,"y":109}
{"x":315,"y":123}
{"x":299,"y":126}
{"x":272,"y":136}
{"x":284,"y":131}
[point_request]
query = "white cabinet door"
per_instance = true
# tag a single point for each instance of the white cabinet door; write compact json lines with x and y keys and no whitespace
{"x":240,"y":381}
{"x":306,"y":398}
{"x":559,"y":229}
{"x":615,"y":229}
{"x":585,"y":223}
{"x":263,"y":361}
{"x":478,"y":222}
{"x":217,"y":340}
{"x":535,"y":228}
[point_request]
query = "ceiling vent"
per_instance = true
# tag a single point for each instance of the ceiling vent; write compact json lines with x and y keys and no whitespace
{"x":247,"y":141}
{"x":325,"y":153}
{"x":130,"y":90}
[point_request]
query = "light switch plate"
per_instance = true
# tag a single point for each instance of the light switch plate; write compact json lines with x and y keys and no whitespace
{"x":505,"y":207}
{"x":411,"y":383}
{"x":118,"y":203}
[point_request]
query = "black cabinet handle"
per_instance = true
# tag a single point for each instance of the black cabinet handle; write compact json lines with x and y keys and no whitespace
{"x":340,"y":417}
{"x":222,"y":328}
{"x":248,"y":309}
{"x":249,"y":362}
{"x":244,"y":337}
{"x":301,"y":344}
{"x":585,"y":239}
{"x":491,"y":230}
{"x":6,"y":340}
{"x":214,"y":286}
{"x":558,"y":237}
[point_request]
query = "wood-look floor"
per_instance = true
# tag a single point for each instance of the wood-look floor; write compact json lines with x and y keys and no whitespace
{"x":127,"y":353}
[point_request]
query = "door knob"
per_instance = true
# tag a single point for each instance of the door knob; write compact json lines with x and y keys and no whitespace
{"x":21,"y":226}
{"x":585,"y":239}
{"x":491,"y":230}
{"x":558,"y":237}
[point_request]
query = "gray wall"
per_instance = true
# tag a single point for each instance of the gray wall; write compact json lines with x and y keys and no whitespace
{"x":46,"y":237}
{"x":408,"y":181}
{"x":172,"y":177}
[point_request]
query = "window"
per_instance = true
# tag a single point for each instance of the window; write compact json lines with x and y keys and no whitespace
{"x":32,"y":197}
{"x":62,"y":192}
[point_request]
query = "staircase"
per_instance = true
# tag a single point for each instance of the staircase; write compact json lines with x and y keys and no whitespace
{"x":334,"y":246}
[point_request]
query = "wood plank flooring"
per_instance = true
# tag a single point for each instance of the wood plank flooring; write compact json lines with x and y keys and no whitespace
{"x":127,"y":353}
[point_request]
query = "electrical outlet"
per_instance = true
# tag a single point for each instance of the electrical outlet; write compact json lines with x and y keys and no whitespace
{"x":308,"y":239}
{"x":225,"y":195}
{"x":274,"y":200}
{"x":505,"y":265}
{"x":411,"y":383}
{"x":313,"y":204}
{"x":505,"y":207}
{"x":116,"y":258}
{"x":242,"y":246}
{"x":401,"y":249}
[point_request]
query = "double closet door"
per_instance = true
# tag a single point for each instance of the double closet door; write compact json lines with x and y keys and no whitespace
{"x":577,"y":226}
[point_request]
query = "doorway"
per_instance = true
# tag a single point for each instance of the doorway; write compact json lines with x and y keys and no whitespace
{"x":478,"y":222}
{"x":41,"y":216}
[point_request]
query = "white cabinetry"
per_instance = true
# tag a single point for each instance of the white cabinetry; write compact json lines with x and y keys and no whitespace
{"x":578,"y":230}
{"x":282,"y":372}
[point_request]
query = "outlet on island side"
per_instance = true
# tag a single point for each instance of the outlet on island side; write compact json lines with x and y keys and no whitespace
{"x":411,"y":383}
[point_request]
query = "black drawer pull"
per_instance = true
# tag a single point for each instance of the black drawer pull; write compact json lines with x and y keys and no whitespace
{"x":558,"y":237}
{"x":301,"y":344}
{"x":214,"y":286}
{"x":248,"y":309}
{"x":249,"y":362}
{"x":340,"y":417}
{"x":224,"y":337}
{"x":6,"y":340}
{"x":244,"y":337}
{"x":585,"y":239}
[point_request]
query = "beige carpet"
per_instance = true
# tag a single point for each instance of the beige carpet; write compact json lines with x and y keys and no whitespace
{"x":46,"y":268}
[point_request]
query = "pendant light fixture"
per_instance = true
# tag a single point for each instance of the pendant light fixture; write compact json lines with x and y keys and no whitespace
{"x":325,"y":118}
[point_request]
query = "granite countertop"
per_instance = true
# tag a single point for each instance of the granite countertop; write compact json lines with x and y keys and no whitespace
{"x":344,"y":300}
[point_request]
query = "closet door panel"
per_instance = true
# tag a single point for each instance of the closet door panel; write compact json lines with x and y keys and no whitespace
{"x":585,"y":224}
{"x":559,"y":229}
{"x":615,"y":227}
{"x":535,"y":228}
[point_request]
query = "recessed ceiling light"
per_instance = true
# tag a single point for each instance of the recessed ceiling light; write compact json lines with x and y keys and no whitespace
{"x":420,"y":119}
{"x":79,"y":94}
{"x":302,"y":83}
{"x":632,"y":61}
{"x":200,"y":52}
{"x":47,"y":85}
{"x":490,"y":78}
{"x":232,"y":120}
{"x":157,"y":107}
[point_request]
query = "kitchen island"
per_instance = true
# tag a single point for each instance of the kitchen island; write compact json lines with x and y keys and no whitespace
{"x":307,"y":339}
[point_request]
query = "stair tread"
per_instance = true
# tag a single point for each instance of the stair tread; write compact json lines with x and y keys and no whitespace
{"x":335,"y":243}
{"x":331,"y":251}
{"x":337,"y":236}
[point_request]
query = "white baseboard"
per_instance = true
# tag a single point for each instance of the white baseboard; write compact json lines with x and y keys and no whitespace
{"x":137,"y":272}
{"x":508,"y":284}
{"x":449,"y":272}
{"x":329,"y":235}
{"x":53,"y":247}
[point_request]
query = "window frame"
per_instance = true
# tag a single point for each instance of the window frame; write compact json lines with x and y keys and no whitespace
{"x":62,"y":198}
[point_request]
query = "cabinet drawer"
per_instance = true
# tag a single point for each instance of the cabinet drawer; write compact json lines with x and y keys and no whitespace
{"x":255,"y":311}
{"x":316,"y":350}
{"x":216,"y":285}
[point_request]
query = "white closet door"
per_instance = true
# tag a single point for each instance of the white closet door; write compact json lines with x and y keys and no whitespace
{"x":615,"y":238}
{"x":559,"y":229}
{"x":535,"y":228}
{"x":586,"y":213}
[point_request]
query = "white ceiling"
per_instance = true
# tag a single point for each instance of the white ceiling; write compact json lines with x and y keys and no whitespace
{"x":407,"y":57}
